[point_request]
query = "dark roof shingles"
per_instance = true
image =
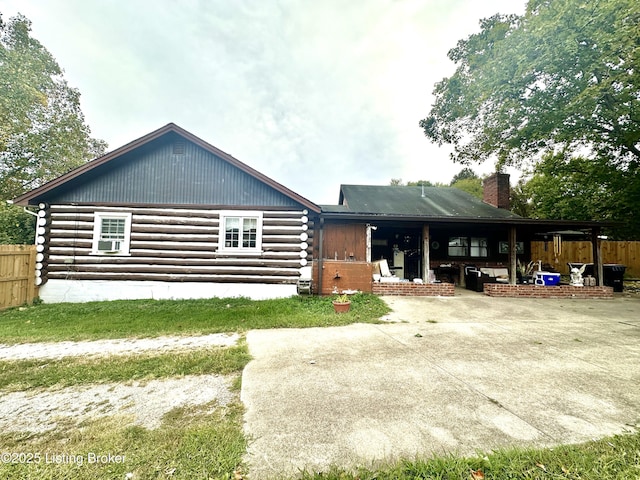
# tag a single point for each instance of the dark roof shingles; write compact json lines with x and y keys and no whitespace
{"x":437,"y":202}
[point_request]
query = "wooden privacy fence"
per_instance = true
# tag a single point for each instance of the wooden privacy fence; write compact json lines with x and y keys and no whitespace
{"x":625,"y":253}
{"x":17,"y":275}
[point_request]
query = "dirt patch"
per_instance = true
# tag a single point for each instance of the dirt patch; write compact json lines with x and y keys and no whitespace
{"x":120,"y":346}
{"x":144,"y":402}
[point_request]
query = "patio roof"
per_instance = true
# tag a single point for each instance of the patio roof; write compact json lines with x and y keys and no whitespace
{"x":421,"y":201}
{"x":375,"y":203}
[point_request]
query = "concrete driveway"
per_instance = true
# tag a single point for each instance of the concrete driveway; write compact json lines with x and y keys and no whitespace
{"x":444,"y":375}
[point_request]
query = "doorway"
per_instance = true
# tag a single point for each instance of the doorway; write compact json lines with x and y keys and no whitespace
{"x":401,"y":248}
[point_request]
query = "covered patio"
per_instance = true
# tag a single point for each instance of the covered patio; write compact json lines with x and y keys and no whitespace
{"x":433,"y":236}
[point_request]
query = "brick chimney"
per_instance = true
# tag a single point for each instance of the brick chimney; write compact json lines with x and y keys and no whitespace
{"x":496,"y":190}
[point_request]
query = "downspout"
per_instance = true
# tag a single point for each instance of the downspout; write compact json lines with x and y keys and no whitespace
{"x":320,"y":250}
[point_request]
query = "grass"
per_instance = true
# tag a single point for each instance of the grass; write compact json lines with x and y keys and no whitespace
{"x":152,"y":318}
{"x":614,"y":458}
{"x":22,"y":375}
{"x":192,"y":443}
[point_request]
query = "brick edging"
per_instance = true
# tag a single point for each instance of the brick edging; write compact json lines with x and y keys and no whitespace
{"x":537,"y":291}
{"x":408,"y":289}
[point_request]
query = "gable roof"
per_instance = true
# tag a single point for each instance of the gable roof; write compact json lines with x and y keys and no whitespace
{"x":76,"y":180}
{"x":428,"y":202}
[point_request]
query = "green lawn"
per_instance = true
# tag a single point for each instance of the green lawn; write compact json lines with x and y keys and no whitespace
{"x":191,"y":444}
{"x":614,"y":458}
{"x":23,"y":375}
{"x":151,"y":318}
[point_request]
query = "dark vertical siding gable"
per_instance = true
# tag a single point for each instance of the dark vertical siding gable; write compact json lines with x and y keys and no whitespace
{"x":156,"y":174}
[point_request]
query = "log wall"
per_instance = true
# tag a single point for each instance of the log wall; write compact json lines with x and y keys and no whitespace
{"x":170,"y":244}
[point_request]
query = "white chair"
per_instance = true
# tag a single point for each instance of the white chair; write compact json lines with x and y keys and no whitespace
{"x":385,"y":273}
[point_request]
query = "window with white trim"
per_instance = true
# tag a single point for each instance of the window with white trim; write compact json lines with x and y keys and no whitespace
{"x":111,"y":233}
{"x":240,"y":231}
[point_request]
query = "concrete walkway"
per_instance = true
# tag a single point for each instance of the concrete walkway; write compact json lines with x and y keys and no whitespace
{"x":445,"y":375}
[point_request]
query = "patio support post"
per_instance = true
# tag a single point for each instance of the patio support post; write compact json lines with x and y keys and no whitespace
{"x":368,"y":240}
{"x":425,"y":253}
{"x":596,"y":244}
{"x":320,"y":255}
{"x":512,"y":255}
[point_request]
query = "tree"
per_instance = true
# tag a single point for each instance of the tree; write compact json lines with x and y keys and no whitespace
{"x":16,"y":226}
{"x":421,"y":183}
{"x":577,"y":188}
{"x":43,"y":133}
{"x":465,"y":174}
{"x":470,"y":185}
{"x":467,"y":181}
{"x":563,"y":76}
{"x":520,"y":200}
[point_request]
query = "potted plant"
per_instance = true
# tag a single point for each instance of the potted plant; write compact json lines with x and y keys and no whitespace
{"x":342,"y":304}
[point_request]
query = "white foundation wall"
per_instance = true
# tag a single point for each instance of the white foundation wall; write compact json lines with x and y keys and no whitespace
{"x":76,"y":291}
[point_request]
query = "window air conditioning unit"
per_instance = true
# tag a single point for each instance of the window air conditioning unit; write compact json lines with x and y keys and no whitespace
{"x":109,"y":246}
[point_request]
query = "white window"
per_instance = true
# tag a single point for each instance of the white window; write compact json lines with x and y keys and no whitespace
{"x":479,"y":247}
{"x":468,"y":247}
{"x":111,"y":233}
{"x":240,"y":231}
{"x":458,"y":246}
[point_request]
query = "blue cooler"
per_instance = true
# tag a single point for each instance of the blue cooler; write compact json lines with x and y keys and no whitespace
{"x":547,"y":278}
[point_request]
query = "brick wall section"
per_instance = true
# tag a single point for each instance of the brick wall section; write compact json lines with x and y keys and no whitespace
{"x":496,"y":190}
{"x":535,"y":291}
{"x":341,"y":275}
{"x":407,"y":289}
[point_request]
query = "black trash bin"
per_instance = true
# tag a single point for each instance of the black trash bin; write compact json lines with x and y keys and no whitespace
{"x":613,"y":273}
{"x":614,"y":276}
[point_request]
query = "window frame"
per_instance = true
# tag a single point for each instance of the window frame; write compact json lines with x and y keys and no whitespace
{"x":241,"y":215}
{"x":463,"y":244}
{"x":125,"y":243}
{"x":481,"y":244}
{"x":469,"y":244}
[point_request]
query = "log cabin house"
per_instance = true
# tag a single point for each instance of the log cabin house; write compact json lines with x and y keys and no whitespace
{"x":168,"y":216}
{"x":171,"y":216}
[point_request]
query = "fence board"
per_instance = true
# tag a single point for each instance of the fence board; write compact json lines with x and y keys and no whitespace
{"x":625,"y":253}
{"x":17,"y":275}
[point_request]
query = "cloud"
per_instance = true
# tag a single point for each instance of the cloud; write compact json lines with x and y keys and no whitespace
{"x":313,"y":94}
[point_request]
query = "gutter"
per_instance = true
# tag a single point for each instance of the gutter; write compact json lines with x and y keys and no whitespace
{"x":369,"y":217}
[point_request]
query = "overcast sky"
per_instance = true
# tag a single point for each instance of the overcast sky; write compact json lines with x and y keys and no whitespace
{"x":312,"y":93}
